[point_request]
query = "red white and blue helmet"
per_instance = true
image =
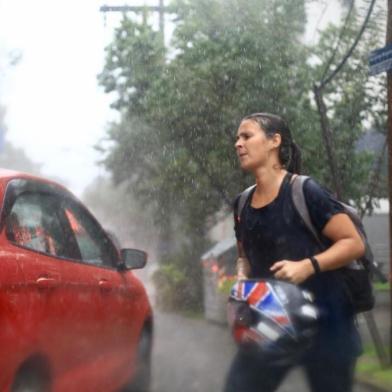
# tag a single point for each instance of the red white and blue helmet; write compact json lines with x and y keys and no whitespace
{"x":277,"y":318}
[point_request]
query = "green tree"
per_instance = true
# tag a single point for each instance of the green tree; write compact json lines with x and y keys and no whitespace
{"x":232,"y":58}
{"x":174,"y":144}
{"x":355,"y":102}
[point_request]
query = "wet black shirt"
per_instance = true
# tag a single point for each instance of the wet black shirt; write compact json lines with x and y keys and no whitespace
{"x":276,"y":232}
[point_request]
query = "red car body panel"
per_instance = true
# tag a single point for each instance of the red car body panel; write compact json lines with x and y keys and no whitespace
{"x":84,"y":320}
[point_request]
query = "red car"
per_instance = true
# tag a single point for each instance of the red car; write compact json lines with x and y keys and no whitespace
{"x":73,"y":317}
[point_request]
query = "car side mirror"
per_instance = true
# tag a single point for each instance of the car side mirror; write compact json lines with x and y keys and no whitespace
{"x":133,"y":258}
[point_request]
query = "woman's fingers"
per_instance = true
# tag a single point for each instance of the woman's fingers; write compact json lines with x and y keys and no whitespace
{"x":278,"y":265}
{"x":292,"y":271}
{"x":279,"y":270}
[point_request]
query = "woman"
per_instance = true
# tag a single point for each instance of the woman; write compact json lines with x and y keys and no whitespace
{"x":273,"y":242}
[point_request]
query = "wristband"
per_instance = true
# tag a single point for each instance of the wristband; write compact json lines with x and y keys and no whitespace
{"x":315,"y":264}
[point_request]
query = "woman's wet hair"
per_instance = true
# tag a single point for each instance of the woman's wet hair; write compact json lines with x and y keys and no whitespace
{"x":289,"y":152}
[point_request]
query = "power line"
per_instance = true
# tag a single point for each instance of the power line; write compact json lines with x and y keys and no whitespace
{"x":322,"y":109}
{"x":350,"y":51}
{"x":342,"y":31}
{"x":160,"y":8}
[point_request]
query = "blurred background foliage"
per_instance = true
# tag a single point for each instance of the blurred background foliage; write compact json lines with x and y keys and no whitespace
{"x":12,"y":157}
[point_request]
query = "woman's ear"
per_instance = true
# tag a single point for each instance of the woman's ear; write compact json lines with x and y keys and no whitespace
{"x":276,"y":140}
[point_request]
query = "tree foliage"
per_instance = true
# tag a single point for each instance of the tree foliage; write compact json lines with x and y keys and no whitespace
{"x":356,"y":103}
{"x":230,"y":58}
{"x":180,"y":109}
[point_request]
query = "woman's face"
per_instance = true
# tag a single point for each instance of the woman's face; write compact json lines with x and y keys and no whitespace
{"x":253,"y":146}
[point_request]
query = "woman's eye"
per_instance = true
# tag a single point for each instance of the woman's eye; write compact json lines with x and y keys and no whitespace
{"x":243,"y":136}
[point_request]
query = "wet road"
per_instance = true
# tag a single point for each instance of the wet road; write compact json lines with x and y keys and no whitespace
{"x":192,"y":355}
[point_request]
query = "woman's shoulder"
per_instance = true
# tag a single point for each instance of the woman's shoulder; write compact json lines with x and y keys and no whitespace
{"x":246,"y":193}
{"x":321,"y":202}
{"x":313,"y":188}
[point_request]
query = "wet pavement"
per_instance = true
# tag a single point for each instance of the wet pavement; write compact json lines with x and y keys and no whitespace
{"x":193,"y":355}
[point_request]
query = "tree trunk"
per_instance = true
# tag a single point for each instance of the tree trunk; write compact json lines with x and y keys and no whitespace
{"x":328,"y":141}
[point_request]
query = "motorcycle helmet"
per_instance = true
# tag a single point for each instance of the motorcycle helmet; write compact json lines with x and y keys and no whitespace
{"x":275,"y":318}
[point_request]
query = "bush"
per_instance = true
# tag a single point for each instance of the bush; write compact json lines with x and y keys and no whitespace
{"x":170,"y":284}
{"x":370,"y":371}
{"x":178,"y":283}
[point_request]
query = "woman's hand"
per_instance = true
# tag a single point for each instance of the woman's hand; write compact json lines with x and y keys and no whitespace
{"x":293,"y":271}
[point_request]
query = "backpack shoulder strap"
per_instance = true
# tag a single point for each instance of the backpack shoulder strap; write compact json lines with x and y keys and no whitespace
{"x":297,"y":194}
{"x":242,"y":200}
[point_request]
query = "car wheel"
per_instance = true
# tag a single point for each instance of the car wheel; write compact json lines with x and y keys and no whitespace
{"x":142,"y":379}
{"x":30,"y":380}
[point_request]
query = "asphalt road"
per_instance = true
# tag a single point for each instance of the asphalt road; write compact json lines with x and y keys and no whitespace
{"x":193,"y":355}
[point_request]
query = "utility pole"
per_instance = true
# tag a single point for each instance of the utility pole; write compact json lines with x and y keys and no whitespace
{"x":389,"y":139}
{"x":160,"y":8}
{"x":166,"y":241}
{"x":380,"y":60}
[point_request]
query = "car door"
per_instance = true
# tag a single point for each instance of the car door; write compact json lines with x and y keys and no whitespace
{"x":61,"y":290}
{"x":113,"y":329}
{"x":81,"y":306}
{"x":15,"y":320}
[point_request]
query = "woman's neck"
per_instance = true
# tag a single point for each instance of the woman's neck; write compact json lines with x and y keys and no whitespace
{"x":268,"y":181}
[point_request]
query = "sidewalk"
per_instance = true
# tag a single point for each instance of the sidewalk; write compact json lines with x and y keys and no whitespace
{"x":193,"y":355}
{"x":382,"y":319}
{"x":381,"y":316}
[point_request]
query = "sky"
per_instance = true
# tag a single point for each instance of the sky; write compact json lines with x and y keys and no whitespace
{"x":56,"y":111}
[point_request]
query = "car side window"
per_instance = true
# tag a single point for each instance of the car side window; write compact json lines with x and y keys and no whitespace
{"x":94,"y":245}
{"x":34,"y":222}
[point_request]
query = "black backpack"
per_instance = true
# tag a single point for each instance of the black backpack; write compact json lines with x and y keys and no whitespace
{"x":357,"y":276}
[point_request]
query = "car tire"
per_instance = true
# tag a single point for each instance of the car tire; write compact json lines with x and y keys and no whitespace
{"x":30,"y":380}
{"x":141,"y":381}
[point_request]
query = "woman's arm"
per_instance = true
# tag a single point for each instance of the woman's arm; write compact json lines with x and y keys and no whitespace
{"x":347,"y":245}
{"x":242,"y":264}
